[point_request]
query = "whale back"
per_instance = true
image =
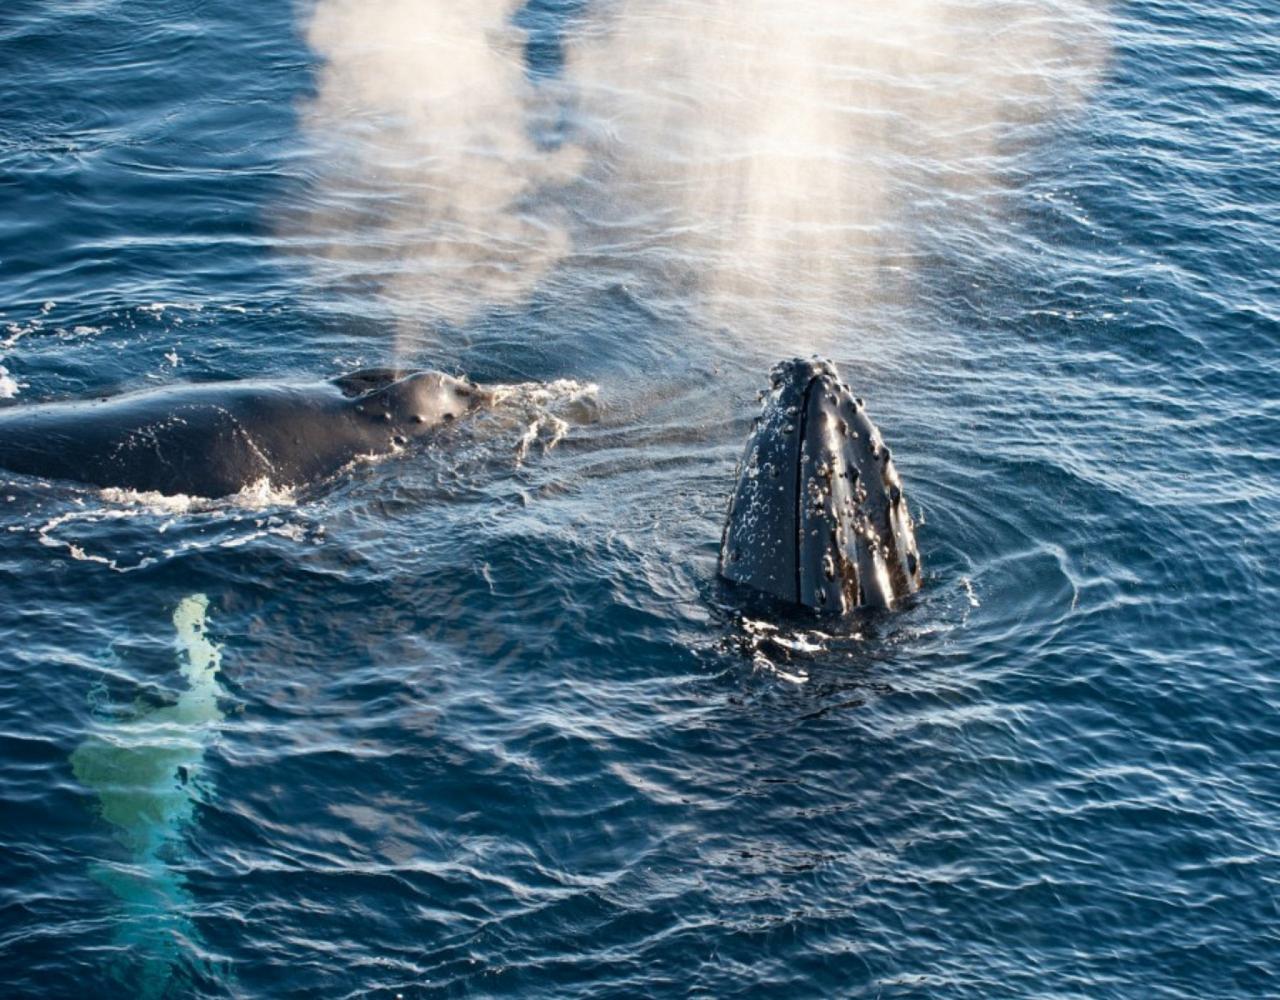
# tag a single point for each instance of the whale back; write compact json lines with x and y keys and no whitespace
{"x":198,"y":439}
{"x":214,"y":439}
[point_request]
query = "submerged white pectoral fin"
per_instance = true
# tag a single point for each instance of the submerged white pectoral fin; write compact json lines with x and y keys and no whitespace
{"x":199,"y":658}
{"x":142,"y":768}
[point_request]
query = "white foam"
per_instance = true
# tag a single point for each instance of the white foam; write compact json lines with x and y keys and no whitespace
{"x":561,"y":390}
{"x":262,"y":493}
{"x":45,"y":535}
{"x":258,"y":495}
{"x":160,"y":308}
{"x":536,"y":404}
{"x":172,"y":512}
{"x":16,"y":331}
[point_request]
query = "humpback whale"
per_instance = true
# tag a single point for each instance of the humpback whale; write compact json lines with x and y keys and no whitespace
{"x":818,"y":518}
{"x":213,"y":439}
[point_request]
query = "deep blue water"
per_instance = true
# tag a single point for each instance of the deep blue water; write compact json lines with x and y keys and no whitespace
{"x":478,"y":720}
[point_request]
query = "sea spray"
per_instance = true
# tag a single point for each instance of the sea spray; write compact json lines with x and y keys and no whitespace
{"x":430,"y":185}
{"x":775,"y":168}
{"x":784,"y":151}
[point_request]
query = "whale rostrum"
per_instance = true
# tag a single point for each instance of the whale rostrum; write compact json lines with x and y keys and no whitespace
{"x":818,"y":517}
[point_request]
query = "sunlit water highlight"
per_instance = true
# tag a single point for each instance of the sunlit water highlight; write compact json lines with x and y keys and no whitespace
{"x":485,"y":723}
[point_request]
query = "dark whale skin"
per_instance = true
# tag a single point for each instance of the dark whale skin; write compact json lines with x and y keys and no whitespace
{"x":818,"y":517}
{"x":214,"y":439}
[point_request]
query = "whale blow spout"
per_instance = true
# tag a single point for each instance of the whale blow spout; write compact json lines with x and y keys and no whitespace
{"x":818,"y":517}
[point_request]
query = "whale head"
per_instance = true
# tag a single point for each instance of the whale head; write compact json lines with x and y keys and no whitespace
{"x":818,"y":517}
{"x":412,"y":402}
{"x":426,"y":399}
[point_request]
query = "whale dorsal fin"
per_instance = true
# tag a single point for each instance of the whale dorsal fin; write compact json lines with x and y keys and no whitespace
{"x":367,"y":380}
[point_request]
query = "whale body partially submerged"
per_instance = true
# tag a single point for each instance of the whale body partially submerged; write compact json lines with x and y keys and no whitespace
{"x":818,"y":517}
{"x":214,"y":439}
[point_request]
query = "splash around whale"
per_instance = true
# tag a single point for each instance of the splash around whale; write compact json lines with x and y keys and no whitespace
{"x":214,"y":439}
{"x":818,"y":517}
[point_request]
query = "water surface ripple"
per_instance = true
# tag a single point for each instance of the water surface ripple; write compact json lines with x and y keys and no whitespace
{"x":480,"y":721}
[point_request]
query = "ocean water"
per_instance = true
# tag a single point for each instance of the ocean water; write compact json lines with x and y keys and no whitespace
{"x":479,"y":720}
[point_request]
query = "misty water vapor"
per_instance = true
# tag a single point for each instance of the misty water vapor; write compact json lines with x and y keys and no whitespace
{"x":430,"y":184}
{"x":789,"y":148}
{"x":772,"y":166}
